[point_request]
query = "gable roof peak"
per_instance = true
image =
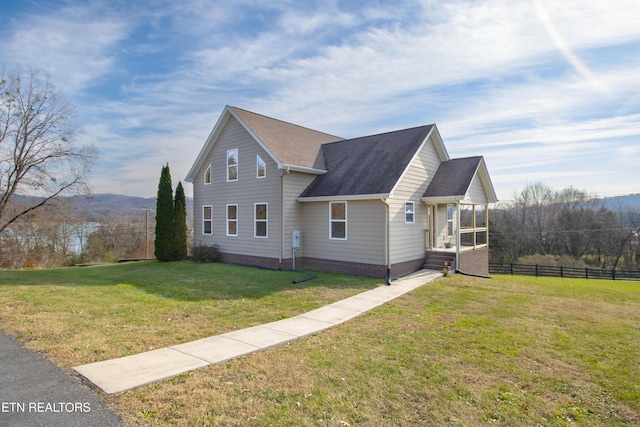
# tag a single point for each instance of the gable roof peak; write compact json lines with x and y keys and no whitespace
{"x":288,"y":143}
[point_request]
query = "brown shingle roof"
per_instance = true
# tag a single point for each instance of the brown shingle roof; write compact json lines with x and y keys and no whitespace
{"x":291,"y":144}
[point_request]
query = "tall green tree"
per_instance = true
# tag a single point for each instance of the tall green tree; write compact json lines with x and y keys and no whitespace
{"x":165,"y":223}
{"x":180,"y":219}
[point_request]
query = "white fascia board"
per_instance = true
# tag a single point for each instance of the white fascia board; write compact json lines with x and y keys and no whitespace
{"x":492,"y":197}
{"x":206,"y":148}
{"x":439,"y":144}
{"x":443,"y":199}
{"x":415,"y":155}
{"x":343,"y":198}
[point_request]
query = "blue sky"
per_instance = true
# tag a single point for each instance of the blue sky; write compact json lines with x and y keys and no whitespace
{"x":546,"y":90}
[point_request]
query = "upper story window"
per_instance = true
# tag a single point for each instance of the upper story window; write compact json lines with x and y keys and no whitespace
{"x":261,"y":168}
{"x":207,"y":176}
{"x":409,"y":212}
{"x":232,"y":165}
{"x":207,"y":219}
{"x":338,"y":220}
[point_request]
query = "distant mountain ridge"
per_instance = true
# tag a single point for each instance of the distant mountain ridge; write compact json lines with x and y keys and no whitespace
{"x":628,"y":201}
{"x":98,"y":206}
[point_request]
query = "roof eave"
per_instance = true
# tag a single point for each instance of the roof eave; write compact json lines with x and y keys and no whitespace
{"x":344,"y":197}
{"x":303,"y":169}
{"x":443,"y":199}
{"x":207,"y":146}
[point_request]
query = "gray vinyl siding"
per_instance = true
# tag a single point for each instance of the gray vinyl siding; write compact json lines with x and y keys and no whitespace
{"x":294,"y":185}
{"x":244,"y":192}
{"x":408,"y":240}
{"x":365,"y":241}
{"x":476,"y":193}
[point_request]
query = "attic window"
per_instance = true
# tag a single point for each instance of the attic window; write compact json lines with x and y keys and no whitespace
{"x":261,"y":168}
{"x":207,"y":176}
{"x":232,"y":165}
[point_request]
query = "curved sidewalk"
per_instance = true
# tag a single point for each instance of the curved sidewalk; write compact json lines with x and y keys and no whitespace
{"x":125,"y":373}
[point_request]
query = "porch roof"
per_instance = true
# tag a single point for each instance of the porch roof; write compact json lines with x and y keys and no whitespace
{"x":452,"y":180}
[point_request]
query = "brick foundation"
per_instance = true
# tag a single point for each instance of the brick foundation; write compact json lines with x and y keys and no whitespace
{"x":475,"y":262}
{"x":333,"y":266}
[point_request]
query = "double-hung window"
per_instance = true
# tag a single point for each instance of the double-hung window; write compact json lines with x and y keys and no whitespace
{"x":207,"y":219}
{"x":338,"y":220}
{"x":409,"y":212}
{"x":260,"y":220}
{"x":232,"y":220}
{"x":232,"y":165}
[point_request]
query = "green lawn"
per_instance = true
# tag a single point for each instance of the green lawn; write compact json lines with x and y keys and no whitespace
{"x":85,"y":314}
{"x":509,"y":351}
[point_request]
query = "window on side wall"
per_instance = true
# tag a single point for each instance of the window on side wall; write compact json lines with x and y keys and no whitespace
{"x":232,"y":165}
{"x":261,"y":168}
{"x":338,"y":220}
{"x":232,"y":220}
{"x":207,"y":176}
{"x":409,"y":212}
{"x":207,"y":219}
{"x":260,"y":228}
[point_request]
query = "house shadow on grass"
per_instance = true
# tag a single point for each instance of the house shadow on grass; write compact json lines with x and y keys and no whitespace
{"x":187,"y":280}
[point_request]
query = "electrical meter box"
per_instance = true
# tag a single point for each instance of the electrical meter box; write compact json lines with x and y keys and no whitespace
{"x":295,"y":239}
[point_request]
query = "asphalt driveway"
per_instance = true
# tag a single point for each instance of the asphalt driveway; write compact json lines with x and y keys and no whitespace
{"x":35,"y":392}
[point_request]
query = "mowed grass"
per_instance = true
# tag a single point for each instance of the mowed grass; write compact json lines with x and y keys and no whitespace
{"x":461,"y":351}
{"x":515,"y":351}
{"x":86,"y":314}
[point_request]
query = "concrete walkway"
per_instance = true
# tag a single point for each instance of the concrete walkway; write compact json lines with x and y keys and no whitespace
{"x":125,"y":373}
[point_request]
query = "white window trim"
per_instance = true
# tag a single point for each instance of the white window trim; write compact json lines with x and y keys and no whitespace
{"x":255,"y":221}
{"x":258,"y":161}
{"x":413,"y":212}
{"x":345,"y":220}
{"x":236,"y":165}
{"x":204,"y":177}
{"x":230,"y":220}
{"x":204,"y":220}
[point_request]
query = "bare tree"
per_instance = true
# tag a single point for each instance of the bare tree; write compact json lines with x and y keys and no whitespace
{"x":37,"y":154}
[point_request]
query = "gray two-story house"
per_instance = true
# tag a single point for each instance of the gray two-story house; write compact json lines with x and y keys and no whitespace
{"x":271,"y":193}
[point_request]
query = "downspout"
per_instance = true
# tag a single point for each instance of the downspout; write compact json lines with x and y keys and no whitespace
{"x":387,"y":240}
{"x":283,"y":172}
{"x":457,"y":236}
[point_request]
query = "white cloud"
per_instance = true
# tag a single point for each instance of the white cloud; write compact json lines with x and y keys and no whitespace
{"x":73,"y":44}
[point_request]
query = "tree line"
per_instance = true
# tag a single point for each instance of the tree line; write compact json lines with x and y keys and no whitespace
{"x":568,"y":226}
